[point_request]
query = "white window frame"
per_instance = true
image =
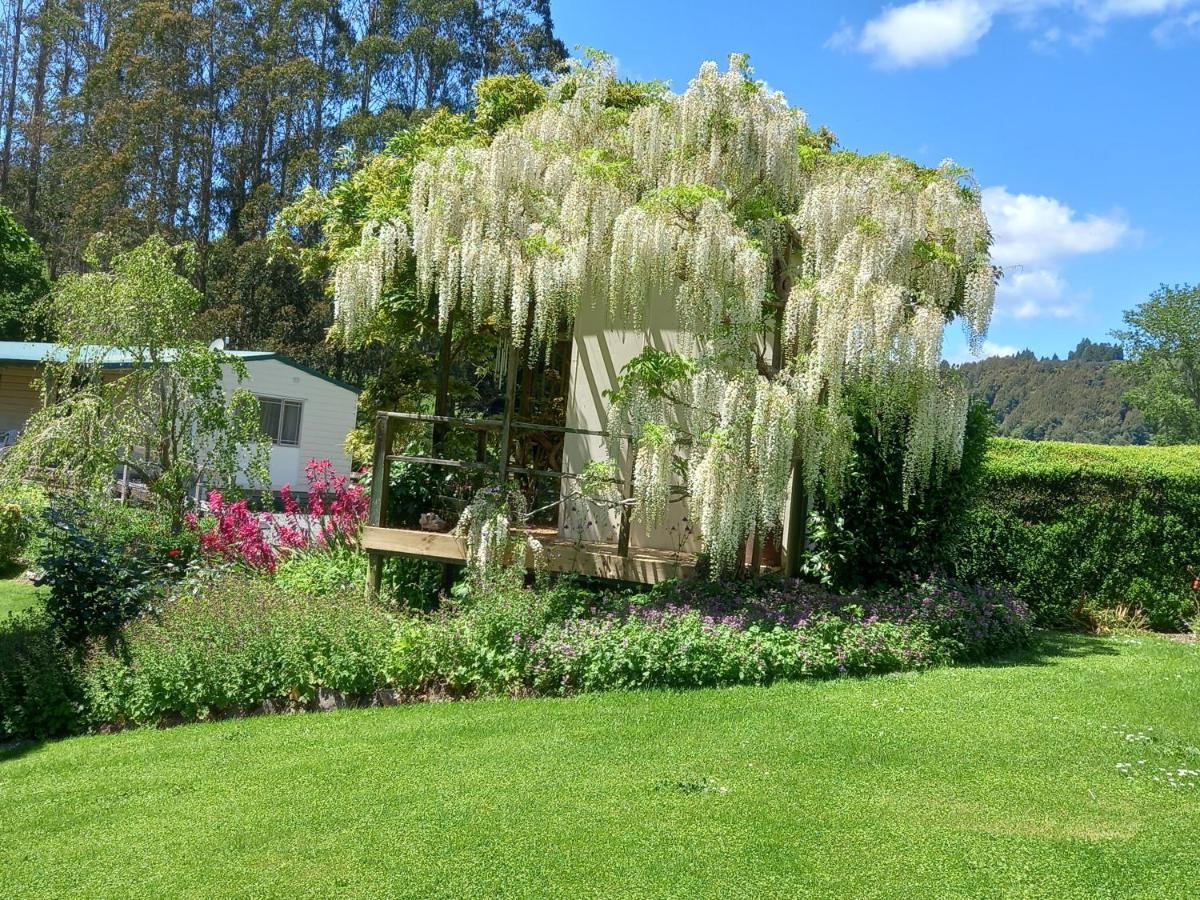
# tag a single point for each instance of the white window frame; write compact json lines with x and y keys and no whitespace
{"x":284,"y":402}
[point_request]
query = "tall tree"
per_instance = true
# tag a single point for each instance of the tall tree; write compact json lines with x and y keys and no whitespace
{"x":23,"y":281}
{"x":1161,"y":340}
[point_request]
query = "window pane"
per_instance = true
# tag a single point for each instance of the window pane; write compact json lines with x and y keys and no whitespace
{"x":270,"y":411}
{"x":291,"y":424}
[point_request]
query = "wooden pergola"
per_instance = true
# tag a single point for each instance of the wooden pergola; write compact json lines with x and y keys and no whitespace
{"x":623,"y":559}
{"x":618,"y":561}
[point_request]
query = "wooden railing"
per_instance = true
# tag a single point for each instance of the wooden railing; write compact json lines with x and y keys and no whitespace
{"x":386,"y":424}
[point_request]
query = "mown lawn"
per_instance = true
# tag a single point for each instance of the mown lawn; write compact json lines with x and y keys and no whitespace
{"x":15,"y":594}
{"x":968,"y":782}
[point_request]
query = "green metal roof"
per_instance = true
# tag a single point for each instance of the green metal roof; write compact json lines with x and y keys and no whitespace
{"x":32,"y":353}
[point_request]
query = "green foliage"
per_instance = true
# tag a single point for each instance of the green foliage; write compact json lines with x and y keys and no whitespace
{"x":14,"y":533}
{"x":502,"y":98}
{"x":259,"y":297}
{"x":1081,"y":399}
{"x":1161,"y":340}
{"x":878,"y":533}
{"x":654,"y":374}
{"x":315,"y":573}
{"x":39,"y":689}
{"x":106,"y":564}
{"x":166,"y":416}
{"x":24,"y":281}
{"x":22,"y":506}
{"x":505,"y":640}
{"x":1096,"y":351}
{"x":1072,"y":528}
{"x":233,"y":643}
{"x":407,"y":583}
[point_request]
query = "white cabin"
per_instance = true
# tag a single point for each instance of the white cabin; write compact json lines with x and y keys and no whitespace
{"x":306,"y":414}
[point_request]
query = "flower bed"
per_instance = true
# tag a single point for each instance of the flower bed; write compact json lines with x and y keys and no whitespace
{"x":697,"y":634}
{"x":239,"y":644}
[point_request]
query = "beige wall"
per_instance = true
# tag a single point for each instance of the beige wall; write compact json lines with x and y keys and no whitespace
{"x":601,"y":349}
{"x":327,"y":418}
{"x":18,"y":398}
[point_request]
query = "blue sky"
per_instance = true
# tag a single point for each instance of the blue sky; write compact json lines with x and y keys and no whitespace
{"x":1080,"y":119}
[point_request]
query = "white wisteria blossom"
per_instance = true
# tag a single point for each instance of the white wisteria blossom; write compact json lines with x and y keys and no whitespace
{"x":360,"y":275}
{"x":795,"y":271}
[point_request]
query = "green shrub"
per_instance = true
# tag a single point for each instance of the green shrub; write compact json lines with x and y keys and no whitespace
{"x":233,"y":642}
{"x":410,"y":583}
{"x":104,"y":564}
{"x":40,"y":695}
{"x":14,"y":532}
{"x":1072,"y":527}
{"x":875,"y":534}
{"x":510,"y":641}
{"x":21,"y":508}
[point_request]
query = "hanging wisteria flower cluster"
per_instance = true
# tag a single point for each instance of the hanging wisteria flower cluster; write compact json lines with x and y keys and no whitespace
{"x":794,"y":271}
{"x":485,"y":526}
{"x":359,"y":278}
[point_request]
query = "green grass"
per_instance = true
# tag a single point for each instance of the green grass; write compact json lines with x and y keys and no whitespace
{"x":964,"y":782}
{"x":15,"y":594}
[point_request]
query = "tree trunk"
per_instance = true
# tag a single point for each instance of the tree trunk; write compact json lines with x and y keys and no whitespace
{"x":37,"y":123}
{"x":10,"y":112}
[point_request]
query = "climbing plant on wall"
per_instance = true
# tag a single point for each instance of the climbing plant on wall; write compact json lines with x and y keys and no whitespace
{"x":796,"y":271}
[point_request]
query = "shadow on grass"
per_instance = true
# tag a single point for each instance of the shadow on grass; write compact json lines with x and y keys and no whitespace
{"x":40,"y":692}
{"x":1047,"y":647}
{"x":15,"y":750}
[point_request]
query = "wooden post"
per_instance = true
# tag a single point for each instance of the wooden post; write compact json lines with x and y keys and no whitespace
{"x":756,"y":552}
{"x":510,"y":397}
{"x":797,"y":534}
{"x":627,"y":495}
{"x":377,"y":512}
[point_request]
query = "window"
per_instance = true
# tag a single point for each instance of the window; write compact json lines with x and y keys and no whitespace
{"x":281,"y":420}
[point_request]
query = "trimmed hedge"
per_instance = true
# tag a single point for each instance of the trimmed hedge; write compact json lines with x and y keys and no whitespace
{"x":1073,"y":528}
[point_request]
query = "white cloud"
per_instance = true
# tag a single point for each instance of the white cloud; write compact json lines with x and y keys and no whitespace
{"x":927,"y":31}
{"x":989,"y":348}
{"x":1033,"y":293}
{"x":931,"y":32}
{"x":1033,"y":235}
{"x":1032,"y":230}
{"x":1178,"y":29}
{"x":1104,"y":10}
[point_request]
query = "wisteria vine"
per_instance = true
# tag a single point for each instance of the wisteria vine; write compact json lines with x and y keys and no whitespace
{"x":795,"y":271}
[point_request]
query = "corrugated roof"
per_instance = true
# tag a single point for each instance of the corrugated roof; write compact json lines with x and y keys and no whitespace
{"x":33,"y":353}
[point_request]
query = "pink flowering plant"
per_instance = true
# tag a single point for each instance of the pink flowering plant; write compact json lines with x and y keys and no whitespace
{"x":331,"y":516}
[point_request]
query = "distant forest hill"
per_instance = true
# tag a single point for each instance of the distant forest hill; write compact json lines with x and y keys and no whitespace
{"x":1079,"y":399}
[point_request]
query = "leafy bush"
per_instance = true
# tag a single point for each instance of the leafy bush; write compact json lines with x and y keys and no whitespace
{"x":513,"y":641}
{"x":40,"y":695}
{"x":104,"y":564}
{"x":1072,"y":527}
{"x":14,"y":531}
{"x":232,"y":643}
{"x":21,"y":508}
{"x":411,"y":583}
{"x":414,"y":491}
{"x":878,"y":534}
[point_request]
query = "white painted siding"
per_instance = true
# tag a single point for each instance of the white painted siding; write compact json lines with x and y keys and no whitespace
{"x":327,"y":418}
